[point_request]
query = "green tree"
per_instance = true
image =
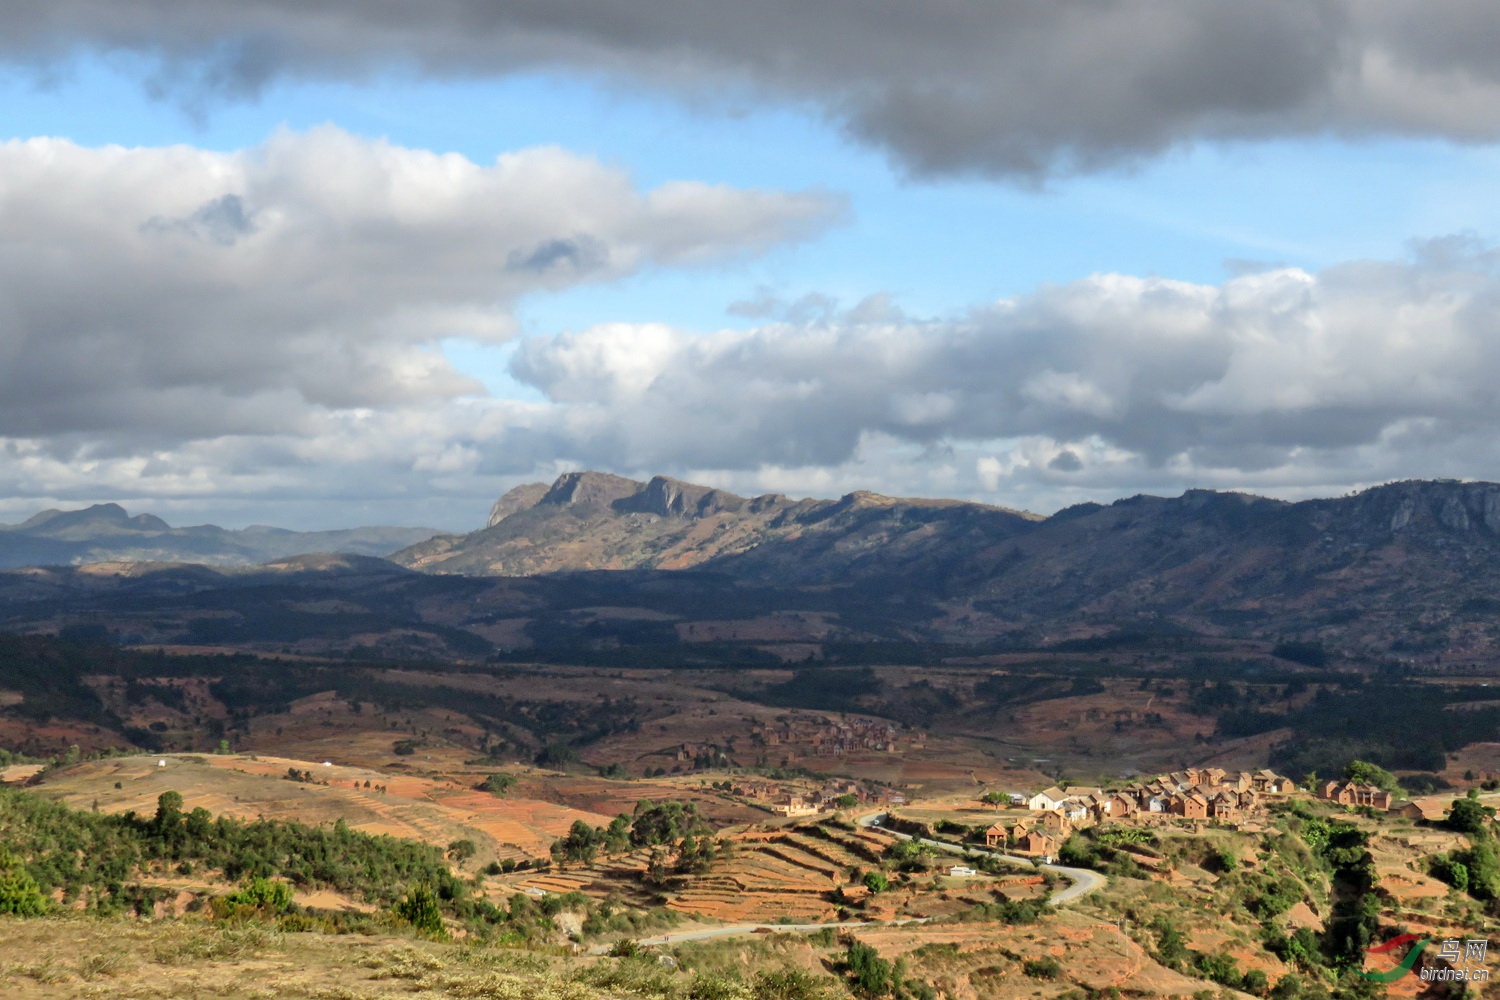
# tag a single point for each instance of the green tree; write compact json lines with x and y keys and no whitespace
{"x":19,"y":894}
{"x":497,"y":784}
{"x":168,"y":810}
{"x":1469,"y":816}
{"x":462,"y":850}
{"x":420,"y":909}
{"x":580,"y":845}
{"x":876,"y":882}
{"x":263,"y":894}
{"x":1365,"y":773}
{"x":870,"y":975}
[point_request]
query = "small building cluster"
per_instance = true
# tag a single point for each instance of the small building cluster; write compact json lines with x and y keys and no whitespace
{"x":1353,"y":793}
{"x":1193,"y":793}
{"x":790,"y":800}
{"x":830,"y":737}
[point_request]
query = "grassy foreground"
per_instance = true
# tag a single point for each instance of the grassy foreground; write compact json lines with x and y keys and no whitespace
{"x":190,"y":958}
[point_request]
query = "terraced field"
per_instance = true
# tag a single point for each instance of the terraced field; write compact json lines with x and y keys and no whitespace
{"x":792,"y":874}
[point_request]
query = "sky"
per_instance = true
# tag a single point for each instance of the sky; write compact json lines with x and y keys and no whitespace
{"x":318,"y":265}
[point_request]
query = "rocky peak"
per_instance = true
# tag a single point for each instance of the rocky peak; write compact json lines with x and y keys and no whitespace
{"x":590,"y":490}
{"x":668,"y":497}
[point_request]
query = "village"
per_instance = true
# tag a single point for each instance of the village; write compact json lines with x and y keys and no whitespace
{"x":826,"y":736}
{"x":1228,"y":798}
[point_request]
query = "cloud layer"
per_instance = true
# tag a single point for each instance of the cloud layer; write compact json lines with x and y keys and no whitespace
{"x":1023,"y":87}
{"x":177,"y":294}
{"x":1278,"y":380}
{"x":299,"y":374}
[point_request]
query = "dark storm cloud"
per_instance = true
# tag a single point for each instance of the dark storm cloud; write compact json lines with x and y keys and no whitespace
{"x":1023,"y":87}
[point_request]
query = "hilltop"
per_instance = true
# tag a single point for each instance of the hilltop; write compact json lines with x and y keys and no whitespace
{"x":593,"y":520}
{"x":108,"y":533}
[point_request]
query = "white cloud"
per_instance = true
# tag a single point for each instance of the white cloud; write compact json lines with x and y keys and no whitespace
{"x":179,"y":293}
{"x":1282,"y":380}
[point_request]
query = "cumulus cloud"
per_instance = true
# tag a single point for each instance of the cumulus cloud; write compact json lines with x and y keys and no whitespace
{"x":1021,"y":87}
{"x":171,"y":294}
{"x":1282,"y":379}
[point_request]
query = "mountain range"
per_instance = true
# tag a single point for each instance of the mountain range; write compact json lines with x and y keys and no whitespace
{"x":596,"y":561}
{"x":1409,"y":566}
{"x":107,"y":533}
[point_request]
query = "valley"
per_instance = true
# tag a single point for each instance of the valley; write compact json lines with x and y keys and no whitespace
{"x":645,"y":739}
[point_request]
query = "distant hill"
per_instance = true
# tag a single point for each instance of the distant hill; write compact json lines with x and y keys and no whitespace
{"x":107,"y":533}
{"x":592,"y":520}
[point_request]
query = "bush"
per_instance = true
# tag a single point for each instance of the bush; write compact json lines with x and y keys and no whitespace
{"x":870,"y":975}
{"x":19,"y":894}
{"x":497,"y":784}
{"x":420,"y":909}
{"x":1046,"y":967}
{"x":262,"y":894}
{"x":788,"y":984}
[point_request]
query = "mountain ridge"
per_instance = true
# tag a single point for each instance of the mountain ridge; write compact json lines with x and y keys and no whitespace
{"x":594,"y":520}
{"x":1405,"y":566}
{"x":107,"y":533}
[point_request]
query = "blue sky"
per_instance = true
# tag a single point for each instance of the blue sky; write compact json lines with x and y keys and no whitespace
{"x":946,"y":245}
{"x":938,"y":245}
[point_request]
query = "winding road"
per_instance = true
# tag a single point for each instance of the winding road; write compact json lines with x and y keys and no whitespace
{"x":1084,"y":882}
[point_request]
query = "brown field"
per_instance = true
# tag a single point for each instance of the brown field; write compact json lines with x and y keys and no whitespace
{"x":437,"y":804}
{"x":434,"y":810}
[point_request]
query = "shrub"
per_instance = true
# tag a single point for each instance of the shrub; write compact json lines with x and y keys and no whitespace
{"x":497,"y":784}
{"x":870,"y":975}
{"x":420,"y":909}
{"x":1045,"y":967}
{"x":262,"y":894}
{"x":19,"y":894}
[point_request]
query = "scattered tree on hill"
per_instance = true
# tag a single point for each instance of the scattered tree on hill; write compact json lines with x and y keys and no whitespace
{"x":495,"y":784}
{"x":870,"y":975}
{"x":1469,"y":815}
{"x":1365,"y":773}
{"x":420,"y":909}
{"x":581,"y":845}
{"x":556,"y":755}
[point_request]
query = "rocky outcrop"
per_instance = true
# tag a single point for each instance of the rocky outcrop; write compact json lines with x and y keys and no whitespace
{"x":515,"y":500}
{"x":592,"y":520}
